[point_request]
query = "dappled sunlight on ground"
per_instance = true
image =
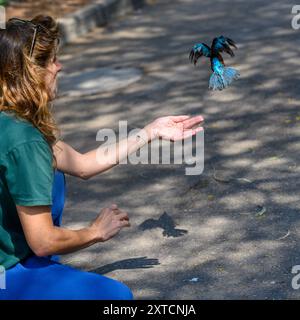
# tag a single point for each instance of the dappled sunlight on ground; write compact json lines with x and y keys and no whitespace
{"x":238,"y":234}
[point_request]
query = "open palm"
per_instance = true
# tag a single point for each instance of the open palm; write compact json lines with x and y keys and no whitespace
{"x":175,"y":127}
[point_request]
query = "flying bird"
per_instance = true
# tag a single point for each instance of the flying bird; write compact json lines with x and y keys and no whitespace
{"x":222,"y":76}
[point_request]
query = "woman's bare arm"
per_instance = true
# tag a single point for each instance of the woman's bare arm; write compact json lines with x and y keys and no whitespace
{"x":46,"y":239}
{"x":95,"y":161}
{"x":101,"y":159}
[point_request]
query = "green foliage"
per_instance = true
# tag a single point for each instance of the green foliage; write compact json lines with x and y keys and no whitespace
{"x":3,"y":2}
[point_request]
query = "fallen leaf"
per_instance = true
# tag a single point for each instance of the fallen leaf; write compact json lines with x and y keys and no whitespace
{"x":244,"y":180}
{"x":273,"y":158}
{"x":218,"y":176}
{"x":222,"y":175}
{"x":210,"y":197}
{"x":285,"y":236}
{"x":261,"y":211}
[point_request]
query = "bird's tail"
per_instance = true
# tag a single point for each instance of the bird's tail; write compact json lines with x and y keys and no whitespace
{"x":221,"y":80}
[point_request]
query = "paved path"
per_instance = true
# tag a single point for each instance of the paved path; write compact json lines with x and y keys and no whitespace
{"x":210,"y":231}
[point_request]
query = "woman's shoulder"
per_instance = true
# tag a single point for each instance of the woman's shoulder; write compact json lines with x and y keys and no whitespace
{"x":16,"y":131}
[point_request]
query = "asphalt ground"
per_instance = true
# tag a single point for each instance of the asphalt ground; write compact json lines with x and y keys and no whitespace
{"x":233,"y":231}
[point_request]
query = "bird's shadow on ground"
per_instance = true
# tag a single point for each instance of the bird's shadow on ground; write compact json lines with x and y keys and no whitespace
{"x":166,"y":223}
{"x":133,"y":263}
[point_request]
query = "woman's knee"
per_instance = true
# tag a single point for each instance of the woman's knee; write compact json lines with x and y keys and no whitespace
{"x":123,"y":292}
{"x":92,"y":286}
{"x":110,"y":289}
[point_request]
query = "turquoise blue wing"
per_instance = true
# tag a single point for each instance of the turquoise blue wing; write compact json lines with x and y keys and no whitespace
{"x":199,"y":50}
{"x":221,"y":44}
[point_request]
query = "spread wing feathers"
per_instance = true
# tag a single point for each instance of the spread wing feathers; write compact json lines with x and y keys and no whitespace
{"x":199,"y":50}
{"x":222,"y":43}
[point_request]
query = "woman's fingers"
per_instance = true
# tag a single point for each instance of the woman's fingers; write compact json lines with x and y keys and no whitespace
{"x":189,"y":123}
{"x":179,"y":118}
{"x":124,"y":223}
{"x":191,"y":132}
{"x":123,"y":216}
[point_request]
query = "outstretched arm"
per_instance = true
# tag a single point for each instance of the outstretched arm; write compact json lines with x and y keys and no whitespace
{"x":101,"y":159}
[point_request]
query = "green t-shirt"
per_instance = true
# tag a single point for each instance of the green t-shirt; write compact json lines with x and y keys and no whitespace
{"x":26,"y":177}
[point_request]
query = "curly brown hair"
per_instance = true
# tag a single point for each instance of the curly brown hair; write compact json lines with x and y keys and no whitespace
{"x":23,"y":88}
